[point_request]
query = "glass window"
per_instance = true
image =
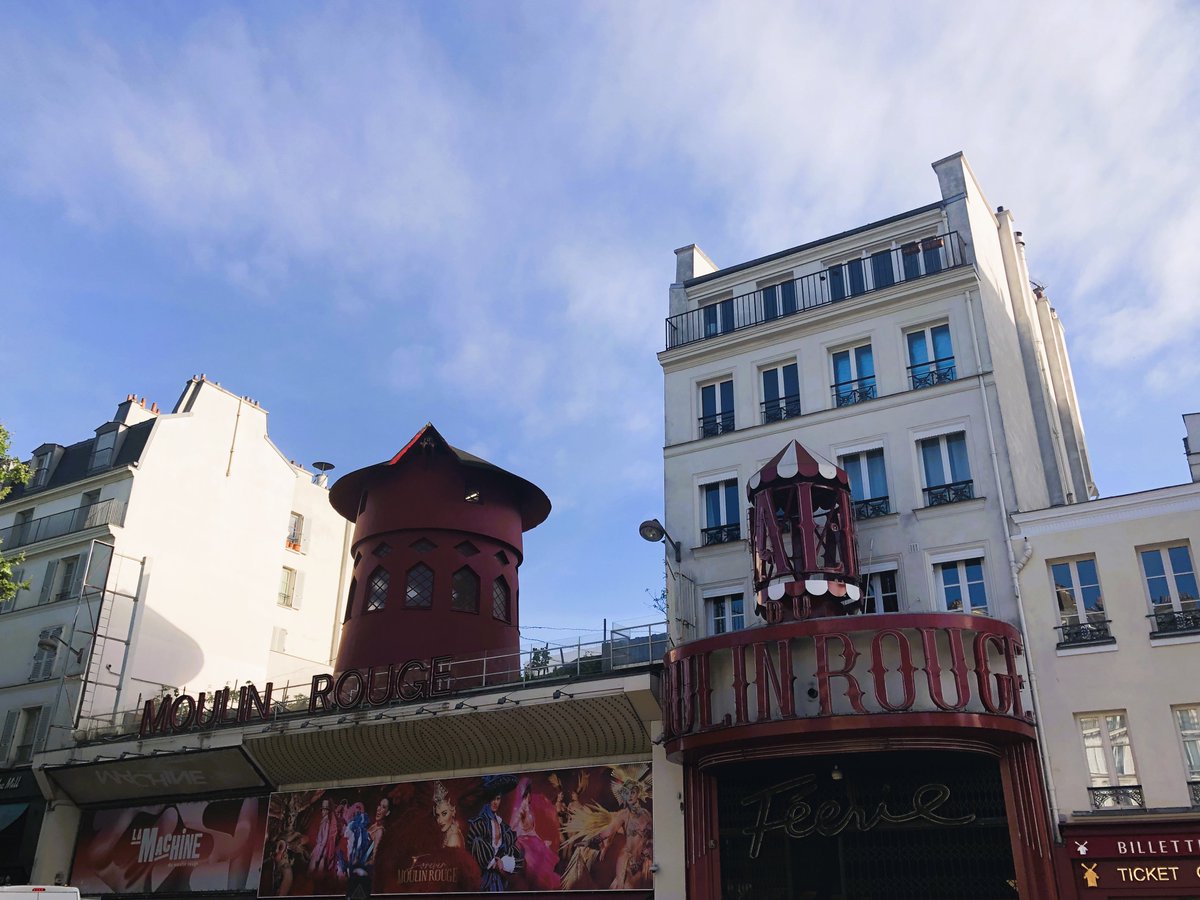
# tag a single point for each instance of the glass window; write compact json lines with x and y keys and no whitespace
{"x":102,"y":450}
{"x":722,"y":512}
{"x":963,"y":588}
{"x":881,"y":595}
{"x":867,"y":473}
{"x":287,"y":587}
{"x":946,"y":469}
{"x":716,"y":408}
{"x":1170,"y":578}
{"x":41,"y":470}
{"x":1077,"y":589}
{"x":1187,"y":718}
{"x":464,"y":590}
{"x":781,"y":393}
{"x":295,"y":531}
{"x":1108,"y":749}
{"x":718,"y":318}
{"x":853,"y":375}
{"x":377,"y":589}
{"x":501,"y":600}
{"x":881,"y":269}
{"x":418,"y":592}
{"x":726,"y":613}
{"x":930,"y":356}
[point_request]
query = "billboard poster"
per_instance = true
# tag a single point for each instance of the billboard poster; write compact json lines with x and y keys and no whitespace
{"x":562,"y":830}
{"x":171,"y":848}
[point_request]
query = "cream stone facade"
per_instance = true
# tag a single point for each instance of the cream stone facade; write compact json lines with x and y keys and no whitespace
{"x":913,"y":351}
{"x":193,"y":549}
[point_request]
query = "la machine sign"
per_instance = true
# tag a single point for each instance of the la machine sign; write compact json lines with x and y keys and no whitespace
{"x":416,"y":679}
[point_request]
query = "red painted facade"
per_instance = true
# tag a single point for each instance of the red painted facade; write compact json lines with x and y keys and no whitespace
{"x":434,"y":529}
{"x":1121,"y":859}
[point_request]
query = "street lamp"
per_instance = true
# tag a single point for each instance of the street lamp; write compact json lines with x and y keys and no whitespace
{"x":51,"y":641}
{"x":653,"y":531}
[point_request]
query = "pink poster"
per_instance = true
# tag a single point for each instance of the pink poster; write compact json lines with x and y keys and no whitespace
{"x":171,"y":848}
{"x":562,"y":830}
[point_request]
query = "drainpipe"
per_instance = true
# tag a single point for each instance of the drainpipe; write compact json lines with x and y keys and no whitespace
{"x":1013,"y":568}
{"x":233,"y":441}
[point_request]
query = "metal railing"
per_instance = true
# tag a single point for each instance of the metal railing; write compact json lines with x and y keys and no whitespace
{"x":841,"y":282}
{"x":927,"y":374}
{"x":721,"y":534}
{"x":847,"y":393}
{"x":871,"y":507}
{"x":106,"y":512}
{"x":1117,"y":796}
{"x":625,"y":648}
{"x":1175,"y":621}
{"x":721,"y":423}
{"x":778,"y":410}
{"x":954,"y":492}
{"x":1074,"y":634}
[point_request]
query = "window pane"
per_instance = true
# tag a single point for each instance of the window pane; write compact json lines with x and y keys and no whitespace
{"x":787,"y":293}
{"x":712,"y":505}
{"x":881,"y":268}
{"x":791,"y":380}
{"x":918,"y":351}
{"x":1185,"y":578}
{"x":931,"y":458}
{"x":854,"y":269}
{"x":732,"y":510}
{"x":726,"y":396}
{"x":770,"y":379}
{"x":1188,"y":720}
{"x":770,"y":302}
{"x":1156,"y":579}
{"x":377,"y":590}
{"x":419,"y":590}
{"x":942,"y":348}
{"x":837,"y":287}
{"x":866,"y":364}
{"x":1118,"y":739}
{"x":876,"y":474}
{"x":841,"y":366}
{"x":950,"y":586}
{"x":956,"y":446}
{"x":708,"y":400}
{"x":853,"y":466}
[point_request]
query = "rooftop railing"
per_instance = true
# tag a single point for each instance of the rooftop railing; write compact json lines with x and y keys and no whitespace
{"x":106,"y":512}
{"x":626,"y":648}
{"x":853,"y":278}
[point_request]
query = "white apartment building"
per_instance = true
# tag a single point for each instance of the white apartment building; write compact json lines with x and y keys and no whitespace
{"x":1112,"y":611}
{"x":913,"y":351}
{"x":168,"y":551}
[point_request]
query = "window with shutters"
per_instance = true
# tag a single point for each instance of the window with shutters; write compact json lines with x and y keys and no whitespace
{"x":278,"y":640}
{"x":295,"y":533}
{"x":43,"y":659}
{"x":418,"y":593}
{"x":464,"y":591}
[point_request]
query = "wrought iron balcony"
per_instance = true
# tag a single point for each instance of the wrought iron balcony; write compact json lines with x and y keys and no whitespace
{"x":1077,"y":634}
{"x":721,"y":534}
{"x":927,"y":374}
{"x":850,"y":279}
{"x":106,"y":512}
{"x":954,"y":492}
{"x":1175,"y":621}
{"x":1117,"y":796}
{"x":847,"y":393}
{"x":1194,"y":792}
{"x":778,"y":410}
{"x":721,"y":423}
{"x":871,"y":507}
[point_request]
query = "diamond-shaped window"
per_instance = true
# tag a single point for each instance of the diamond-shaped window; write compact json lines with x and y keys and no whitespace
{"x":501,"y":600}
{"x":424,"y":545}
{"x":466,"y":548}
{"x":502,"y":557}
{"x":464,"y":590}
{"x":377,"y":589}
{"x":419,"y":592}
{"x":382,"y":550}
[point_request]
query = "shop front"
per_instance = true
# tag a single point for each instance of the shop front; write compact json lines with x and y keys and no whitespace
{"x":1125,"y":860}
{"x":854,"y":758}
{"x":21,"y":810}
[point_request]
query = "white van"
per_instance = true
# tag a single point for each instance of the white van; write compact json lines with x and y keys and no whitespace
{"x":38,"y":892}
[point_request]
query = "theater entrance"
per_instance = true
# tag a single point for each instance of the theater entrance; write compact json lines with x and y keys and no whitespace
{"x":927,"y":825}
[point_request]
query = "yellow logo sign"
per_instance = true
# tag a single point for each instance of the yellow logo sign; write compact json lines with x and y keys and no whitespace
{"x":1089,"y":874}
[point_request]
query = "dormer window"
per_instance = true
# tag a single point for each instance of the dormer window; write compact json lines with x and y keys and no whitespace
{"x":103,"y":450}
{"x":41,"y":470}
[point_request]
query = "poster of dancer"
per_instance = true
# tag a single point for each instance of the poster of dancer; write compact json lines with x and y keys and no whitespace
{"x":171,"y":848}
{"x":559,"y":830}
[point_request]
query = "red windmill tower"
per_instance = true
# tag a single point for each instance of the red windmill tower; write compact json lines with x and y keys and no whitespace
{"x":437,"y":544}
{"x":802,"y":537}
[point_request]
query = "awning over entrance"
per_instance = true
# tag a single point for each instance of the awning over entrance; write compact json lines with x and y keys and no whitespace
{"x":474,"y":738}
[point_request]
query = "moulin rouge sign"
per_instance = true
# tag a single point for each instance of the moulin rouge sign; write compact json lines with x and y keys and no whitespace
{"x":904,"y":663}
{"x":417,"y":679}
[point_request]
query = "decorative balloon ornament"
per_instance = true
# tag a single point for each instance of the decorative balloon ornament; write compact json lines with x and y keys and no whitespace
{"x":802,"y":538}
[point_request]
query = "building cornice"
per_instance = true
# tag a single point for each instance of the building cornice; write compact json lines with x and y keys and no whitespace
{"x":1182,"y":498}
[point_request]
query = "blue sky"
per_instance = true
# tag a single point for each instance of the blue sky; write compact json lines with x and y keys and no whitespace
{"x":369,"y":216}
